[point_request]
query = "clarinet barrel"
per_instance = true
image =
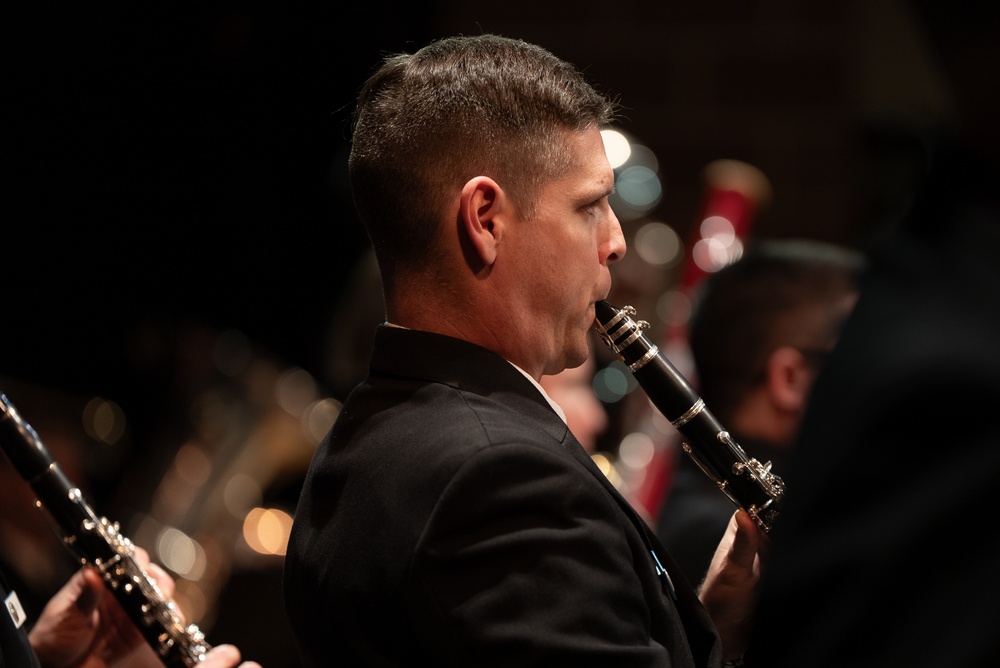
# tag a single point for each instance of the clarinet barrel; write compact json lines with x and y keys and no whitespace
{"x":97,"y":542}
{"x":749,"y":484}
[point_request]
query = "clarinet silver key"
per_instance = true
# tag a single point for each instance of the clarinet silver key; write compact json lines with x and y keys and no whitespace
{"x":97,"y":542}
{"x":749,"y":484}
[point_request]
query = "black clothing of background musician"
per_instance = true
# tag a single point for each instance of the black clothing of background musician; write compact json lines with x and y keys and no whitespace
{"x":887,"y":540}
{"x":887,"y":553}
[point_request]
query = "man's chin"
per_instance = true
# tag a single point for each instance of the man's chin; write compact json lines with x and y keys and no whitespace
{"x":578,"y":355}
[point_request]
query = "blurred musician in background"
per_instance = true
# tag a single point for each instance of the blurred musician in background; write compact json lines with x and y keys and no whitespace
{"x":760,"y":329}
{"x":887,"y":553}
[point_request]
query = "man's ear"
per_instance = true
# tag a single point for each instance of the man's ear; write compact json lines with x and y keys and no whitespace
{"x":789,"y":378}
{"x":481,"y":201}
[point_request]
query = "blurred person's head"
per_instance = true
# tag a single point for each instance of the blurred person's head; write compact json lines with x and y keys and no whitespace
{"x":761,"y":328}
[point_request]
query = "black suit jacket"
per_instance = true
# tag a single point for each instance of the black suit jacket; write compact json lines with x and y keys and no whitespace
{"x":451,"y":519}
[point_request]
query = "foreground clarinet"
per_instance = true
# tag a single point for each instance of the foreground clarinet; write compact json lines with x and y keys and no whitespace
{"x":747,"y":482}
{"x":97,"y":542}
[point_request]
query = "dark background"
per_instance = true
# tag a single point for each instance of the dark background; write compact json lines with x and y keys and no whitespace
{"x":182,"y":166}
{"x":185,"y":161}
{"x":190,"y":160}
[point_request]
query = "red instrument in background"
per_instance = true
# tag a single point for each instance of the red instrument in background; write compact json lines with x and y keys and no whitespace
{"x":734,"y":192}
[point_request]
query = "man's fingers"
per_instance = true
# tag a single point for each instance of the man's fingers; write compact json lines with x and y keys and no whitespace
{"x":226,"y":656}
{"x":91,"y":588}
{"x":746,"y":542}
{"x":162,"y":579}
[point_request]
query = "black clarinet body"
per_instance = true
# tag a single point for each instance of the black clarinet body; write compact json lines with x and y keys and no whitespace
{"x":749,"y":484}
{"x":97,"y":542}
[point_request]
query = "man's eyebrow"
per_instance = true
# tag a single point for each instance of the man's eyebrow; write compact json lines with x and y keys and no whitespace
{"x":606,"y":192}
{"x":600,"y":190}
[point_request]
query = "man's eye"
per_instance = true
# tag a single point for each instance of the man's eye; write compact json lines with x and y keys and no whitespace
{"x":597,"y":205}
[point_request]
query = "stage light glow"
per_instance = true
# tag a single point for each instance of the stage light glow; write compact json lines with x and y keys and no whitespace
{"x":318,"y":418}
{"x":613,"y":382}
{"x":710,"y":255}
{"x":192,"y":465}
{"x":178,"y":552}
{"x":617,"y":147}
{"x":643,"y":156}
{"x":607,"y":467}
{"x":636,"y":451}
{"x":295,"y":391}
{"x":609,"y":385}
{"x":603,"y":462}
{"x":658,"y":244}
{"x":639,"y":187}
{"x":190,"y":599}
{"x":673,"y":308}
{"x":718,"y":228}
{"x":266,"y":530}
{"x":240,"y":494}
{"x":104,"y":420}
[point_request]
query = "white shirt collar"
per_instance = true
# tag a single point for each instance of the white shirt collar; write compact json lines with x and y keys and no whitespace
{"x":556,"y":407}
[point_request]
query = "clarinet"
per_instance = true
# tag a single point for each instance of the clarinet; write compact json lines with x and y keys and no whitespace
{"x":97,"y":542}
{"x":749,"y":484}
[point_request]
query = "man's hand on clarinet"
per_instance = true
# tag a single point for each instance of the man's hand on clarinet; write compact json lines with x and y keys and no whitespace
{"x":732,"y":586}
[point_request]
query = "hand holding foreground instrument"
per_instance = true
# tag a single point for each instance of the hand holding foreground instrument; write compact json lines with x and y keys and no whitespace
{"x":84,"y":625}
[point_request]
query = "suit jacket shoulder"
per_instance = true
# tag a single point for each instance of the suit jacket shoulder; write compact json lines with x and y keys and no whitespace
{"x":452,"y":505}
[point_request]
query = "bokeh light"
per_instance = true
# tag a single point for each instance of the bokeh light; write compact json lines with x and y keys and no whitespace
{"x":104,"y":420}
{"x":266,"y":530}
{"x":636,"y":450}
{"x":295,"y":391}
{"x":673,"y":308}
{"x":617,"y":147}
{"x":639,"y":188}
{"x":319,"y":418}
{"x":613,"y":382}
{"x":658,"y":244}
{"x":180,"y":553}
{"x":718,"y":246}
{"x":637,"y":184}
{"x":240,"y":494}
